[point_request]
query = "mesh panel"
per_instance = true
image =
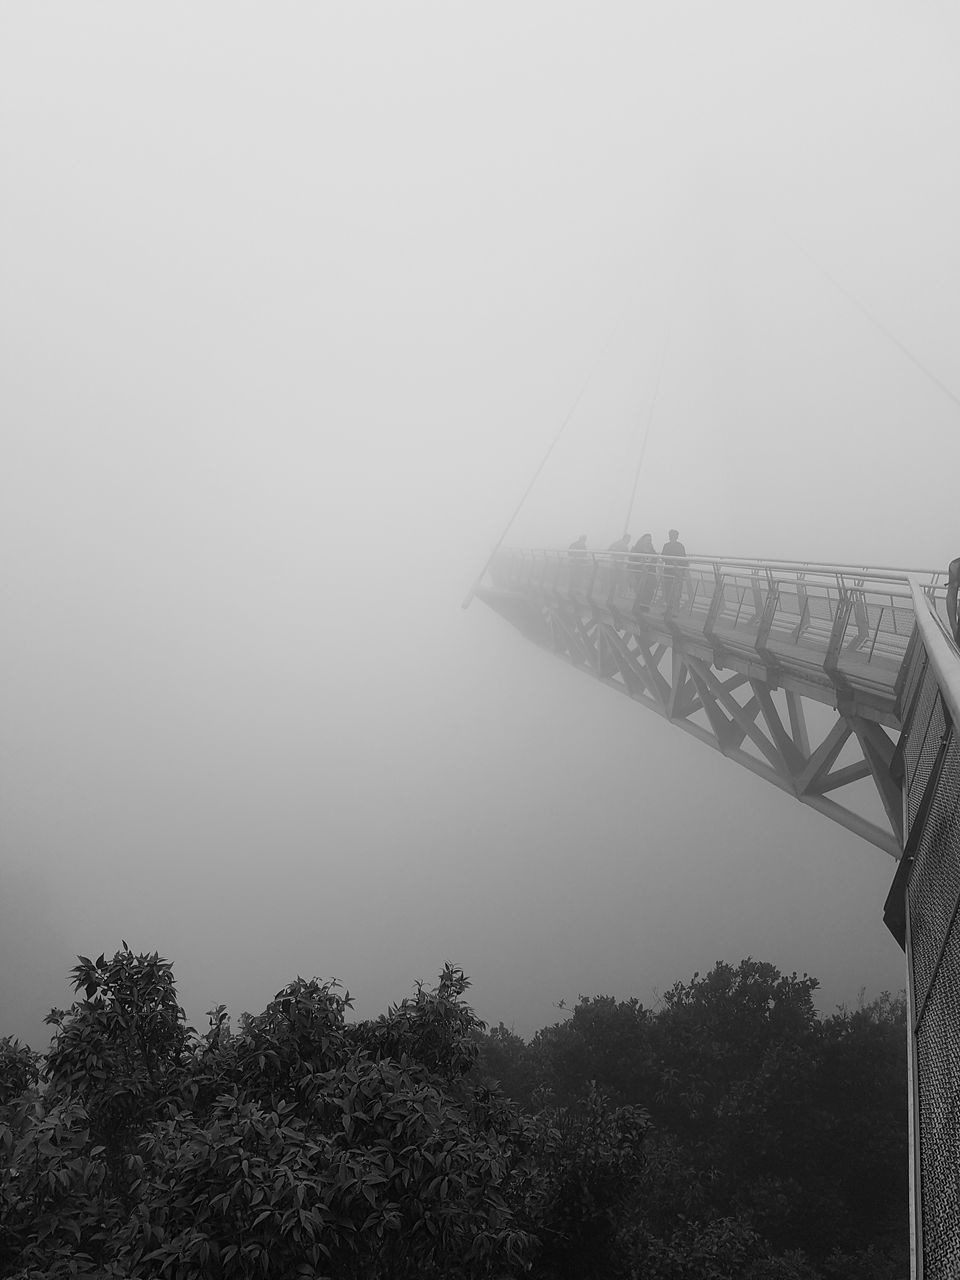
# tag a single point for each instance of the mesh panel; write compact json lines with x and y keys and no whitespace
{"x":939,"y":1090}
{"x":935,"y":878}
{"x":923,"y":741}
{"x":903,"y":620}
{"x":917,"y":665}
{"x":939,"y":1121}
{"x":933,"y":891}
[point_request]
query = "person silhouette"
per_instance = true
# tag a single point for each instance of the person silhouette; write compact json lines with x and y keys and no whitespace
{"x":579,"y":562}
{"x":674,"y":569}
{"x":674,"y":547}
{"x":644,"y":568}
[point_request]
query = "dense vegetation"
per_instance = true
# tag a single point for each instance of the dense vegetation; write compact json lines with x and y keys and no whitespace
{"x":729,"y":1133}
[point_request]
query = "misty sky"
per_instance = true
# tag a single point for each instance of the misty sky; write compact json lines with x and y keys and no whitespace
{"x":292,"y":300}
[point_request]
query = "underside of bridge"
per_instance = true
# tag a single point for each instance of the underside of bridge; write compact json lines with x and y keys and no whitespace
{"x":761,"y":718}
{"x":794,"y":676}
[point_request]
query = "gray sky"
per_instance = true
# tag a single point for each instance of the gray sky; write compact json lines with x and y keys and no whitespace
{"x":293,"y":299}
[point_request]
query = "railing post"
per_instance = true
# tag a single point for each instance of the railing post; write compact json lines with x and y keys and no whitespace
{"x":838,"y":630}
{"x":766,"y":624}
{"x":803,"y":603}
{"x":594,"y":569}
{"x":757,"y":595}
{"x":860,"y":615}
{"x":716,"y":604}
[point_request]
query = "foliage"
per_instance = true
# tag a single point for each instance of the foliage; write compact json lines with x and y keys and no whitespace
{"x":590,"y":1162}
{"x":504,"y":1061}
{"x":788,"y":1129}
{"x":300,"y":1146}
{"x":730,"y":1133}
{"x":19,"y":1069}
{"x":117,"y":1050}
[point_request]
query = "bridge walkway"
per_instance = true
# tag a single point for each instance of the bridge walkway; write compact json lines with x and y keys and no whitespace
{"x":730,"y":650}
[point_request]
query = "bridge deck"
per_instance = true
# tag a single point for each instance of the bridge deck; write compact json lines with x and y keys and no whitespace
{"x":827,"y":631}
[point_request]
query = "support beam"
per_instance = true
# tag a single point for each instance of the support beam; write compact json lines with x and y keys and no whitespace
{"x":719,"y":723}
{"x":841,"y":777}
{"x":798,"y":722}
{"x":822,"y":759}
{"x":793,"y":755}
{"x":878,"y":752}
{"x":740,"y":715}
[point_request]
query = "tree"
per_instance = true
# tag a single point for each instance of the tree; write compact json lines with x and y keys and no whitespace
{"x":300,"y":1146}
{"x":763,"y":1115}
{"x":729,"y":1134}
{"x":505,"y":1061}
{"x":116,"y":1051}
{"x":603,"y":1040}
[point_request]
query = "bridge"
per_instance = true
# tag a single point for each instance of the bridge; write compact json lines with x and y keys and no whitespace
{"x":838,"y":684}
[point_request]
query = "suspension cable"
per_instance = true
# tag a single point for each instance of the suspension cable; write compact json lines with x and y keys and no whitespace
{"x":646,"y":435}
{"x":868,"y":315}
{"x":546,"y":457}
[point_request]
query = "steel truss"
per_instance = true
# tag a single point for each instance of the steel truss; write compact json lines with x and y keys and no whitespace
{"x":735,"y":712}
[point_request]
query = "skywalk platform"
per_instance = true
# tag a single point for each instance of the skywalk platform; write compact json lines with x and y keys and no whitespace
{"x":729,"y":649}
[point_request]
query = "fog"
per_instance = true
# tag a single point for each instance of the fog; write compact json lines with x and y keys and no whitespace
{"x":294,"y":299}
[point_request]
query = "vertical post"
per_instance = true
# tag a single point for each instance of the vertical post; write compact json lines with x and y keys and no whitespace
{"x":770,"y":607}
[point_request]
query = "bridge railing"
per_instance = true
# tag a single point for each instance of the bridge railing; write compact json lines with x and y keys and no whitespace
{"x":846,"y":618}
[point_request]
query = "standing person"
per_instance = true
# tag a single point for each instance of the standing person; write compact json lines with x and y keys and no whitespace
{"x":644,"y":569}
{"x":674,"y":547}
{"x":579,"y":566}
{"x":953,"y":584}
{"x":618,"y":570}
{"x":674,"y":568}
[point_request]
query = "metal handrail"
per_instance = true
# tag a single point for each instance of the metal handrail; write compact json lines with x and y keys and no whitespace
{"x":806,"y":571}
{"x":856,"y":621}
{"x":818,"y":566}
